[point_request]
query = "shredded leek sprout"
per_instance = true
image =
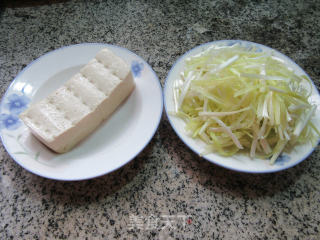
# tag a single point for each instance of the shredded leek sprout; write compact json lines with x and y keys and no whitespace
{"x":234,"y":98}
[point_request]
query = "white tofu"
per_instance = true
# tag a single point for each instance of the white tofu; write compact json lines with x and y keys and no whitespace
{"x":74,"y":110}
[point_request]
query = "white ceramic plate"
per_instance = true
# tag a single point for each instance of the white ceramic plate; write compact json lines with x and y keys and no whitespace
{"x":239,"y":162}
{"x":113,"y":144}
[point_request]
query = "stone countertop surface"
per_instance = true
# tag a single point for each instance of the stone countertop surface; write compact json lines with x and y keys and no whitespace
{"x":167,"y":191}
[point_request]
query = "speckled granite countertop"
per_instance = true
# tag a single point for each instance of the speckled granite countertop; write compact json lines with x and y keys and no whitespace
{"x":166,"y":184}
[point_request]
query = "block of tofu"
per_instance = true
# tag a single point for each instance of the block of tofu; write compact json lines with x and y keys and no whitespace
{"x":74,"y":110}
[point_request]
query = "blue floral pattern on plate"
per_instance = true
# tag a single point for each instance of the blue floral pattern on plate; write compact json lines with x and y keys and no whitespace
{"x":136,"y":68}
{"x":283,"y":159}
{"x":9,"y":122}
{"x":15,"y":104}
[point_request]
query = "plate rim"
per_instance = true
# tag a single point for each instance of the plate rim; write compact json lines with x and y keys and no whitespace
{"x":157,"y":122}
{"x":233,"y":41}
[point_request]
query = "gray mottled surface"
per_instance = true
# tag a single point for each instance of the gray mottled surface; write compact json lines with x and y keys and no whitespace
{"x":166,"y":178}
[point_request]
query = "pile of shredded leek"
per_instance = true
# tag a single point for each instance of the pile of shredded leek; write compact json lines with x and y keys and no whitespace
{"x":234,"y":98}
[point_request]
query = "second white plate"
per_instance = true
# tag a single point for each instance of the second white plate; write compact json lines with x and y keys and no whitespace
{"x":113,"y":144}
{"x":238,"y":162}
